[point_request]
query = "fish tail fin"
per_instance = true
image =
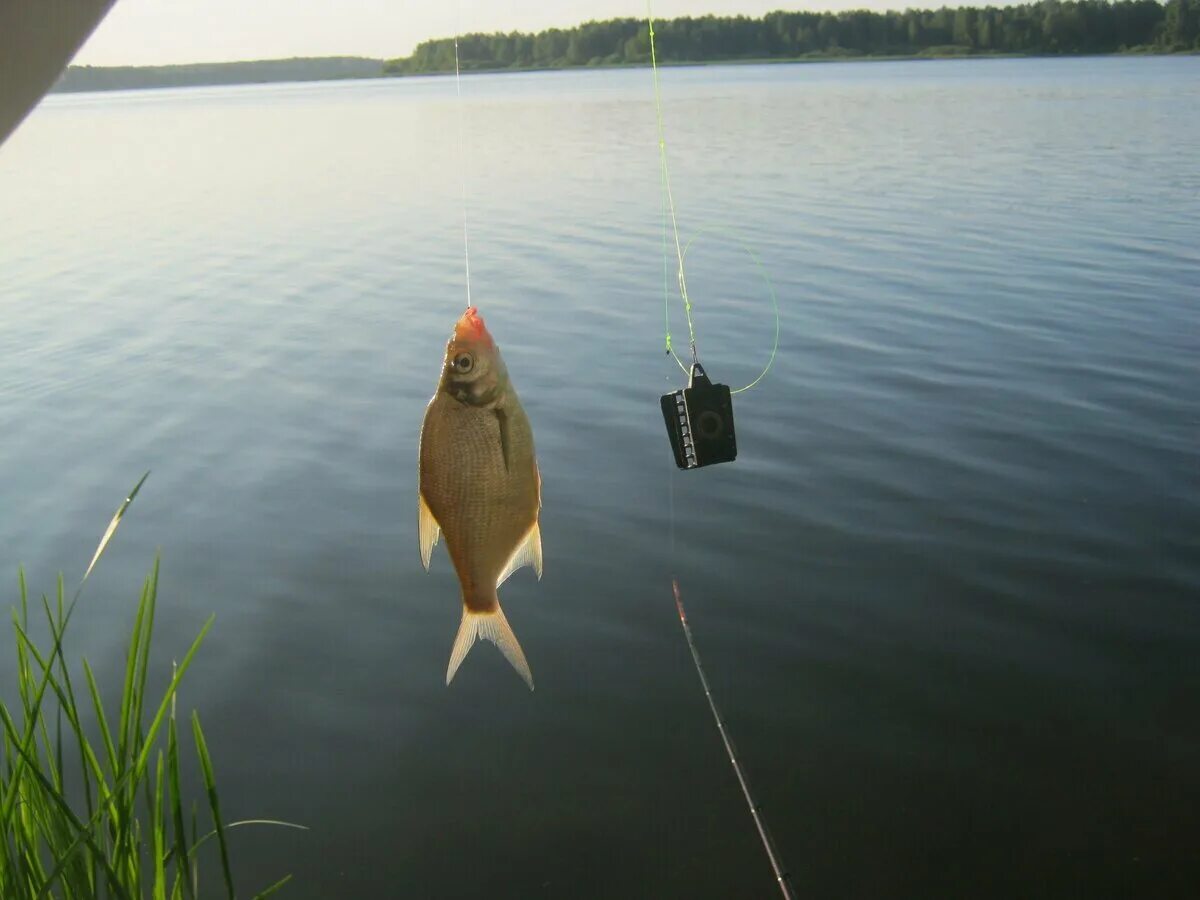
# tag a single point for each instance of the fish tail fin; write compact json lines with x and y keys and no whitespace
{"x":491,"y":626}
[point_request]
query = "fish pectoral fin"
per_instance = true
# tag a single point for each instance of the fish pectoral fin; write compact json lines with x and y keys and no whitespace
{"x":491,"y":626}
{"x":428,"y":530}
{"x":528,"y":554}
{"x":505,"y":444}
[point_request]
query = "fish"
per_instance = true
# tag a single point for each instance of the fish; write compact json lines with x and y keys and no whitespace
{"x":479,"y":486}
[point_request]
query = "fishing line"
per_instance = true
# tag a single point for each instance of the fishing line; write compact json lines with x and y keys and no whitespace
{"x":681,"y":250}
{"x":731,"y":235}
{"x":670,"y":199}
{"x":462,"y":155}
{"x":678,"y":406}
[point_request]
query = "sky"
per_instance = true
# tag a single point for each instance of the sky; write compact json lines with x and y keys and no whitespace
{"x":161,"y":32}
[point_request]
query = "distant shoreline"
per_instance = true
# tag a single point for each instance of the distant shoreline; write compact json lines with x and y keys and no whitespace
{"x":100,"y":79}
{"x":800,"y":60}
{"x":88,"y":79}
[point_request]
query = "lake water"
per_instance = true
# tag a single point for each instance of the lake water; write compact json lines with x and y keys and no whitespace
{"x":948,"y":597}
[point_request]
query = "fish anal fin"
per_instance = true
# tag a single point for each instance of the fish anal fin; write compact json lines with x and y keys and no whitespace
{"x":491,"y":626}
{"x":528,"y":554}
{"x":428,"y":530}
{"x":535,"y":545}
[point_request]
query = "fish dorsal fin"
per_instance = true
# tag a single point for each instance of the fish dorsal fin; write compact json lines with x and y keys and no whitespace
{"x":528,"y":554}
{"x":428,"y":530}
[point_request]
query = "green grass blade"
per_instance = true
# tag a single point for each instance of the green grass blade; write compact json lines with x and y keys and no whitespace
{"x":180,"y":847}
{"x":23,"y":591}
{"x":242,"y":823}
{"x":33,"y":709}
{"x":123,"y":726}
{"x":152,"y":731}
{"x":112,"y":526}
{"x":47,"y":849}
{"x":36,"y":721}
{"x":273,"y":888}
{"x":195,"y":864}
{"x":213,"y":801}
{"x":72,"y":710}
{"x":110,"y":751}
{"x":63,"y":808}
{"x":108,"y":807}
{"x":25,"y":748}
{"x":58,"y":748}
{"x":160,"y":871}
{"x":150,"y":590}
{"x":67,"y":705}
{"x":128,"y":742}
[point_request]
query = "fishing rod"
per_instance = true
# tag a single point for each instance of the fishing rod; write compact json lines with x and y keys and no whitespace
{"x":782,"y":876}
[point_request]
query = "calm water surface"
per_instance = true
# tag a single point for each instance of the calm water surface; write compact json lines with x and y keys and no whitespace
{"x":949,"y":595}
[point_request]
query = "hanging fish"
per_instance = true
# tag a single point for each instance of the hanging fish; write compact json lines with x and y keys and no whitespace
{"x":479,"y":485}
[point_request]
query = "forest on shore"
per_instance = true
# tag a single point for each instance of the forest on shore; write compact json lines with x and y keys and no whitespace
{"x":1042,"y":28}
{"x":1048,"y":27}
{"x":262,"y":71}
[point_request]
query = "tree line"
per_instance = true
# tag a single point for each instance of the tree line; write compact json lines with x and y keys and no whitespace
{"x":120,"y":78}
{"x":1046,"y":27}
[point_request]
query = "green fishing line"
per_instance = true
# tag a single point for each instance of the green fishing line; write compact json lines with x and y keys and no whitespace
{"x":681,"y":250}
{"x":669,"y":198}
{"x":731,"y":234}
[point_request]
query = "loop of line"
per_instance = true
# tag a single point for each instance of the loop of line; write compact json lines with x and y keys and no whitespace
{"x":731,"y":235}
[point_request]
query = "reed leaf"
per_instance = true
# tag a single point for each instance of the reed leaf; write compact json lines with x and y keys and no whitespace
{"x":213,"y":801}
{"x":111,"y":848}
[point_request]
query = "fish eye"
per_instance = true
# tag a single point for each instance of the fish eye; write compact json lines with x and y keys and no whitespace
{"x":464,"y":362}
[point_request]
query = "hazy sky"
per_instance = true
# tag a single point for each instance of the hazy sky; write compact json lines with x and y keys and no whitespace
{"x":149,"y":32}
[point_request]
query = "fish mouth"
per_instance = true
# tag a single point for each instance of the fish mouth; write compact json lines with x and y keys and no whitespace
{"x":470,"y":327}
